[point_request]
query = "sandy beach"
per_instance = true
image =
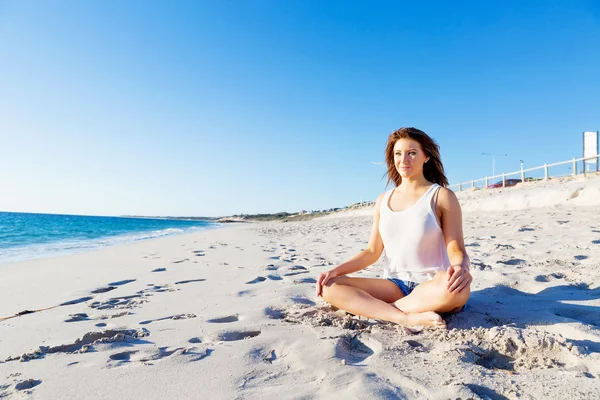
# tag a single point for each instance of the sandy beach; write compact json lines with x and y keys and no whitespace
{"x":231,"y":313}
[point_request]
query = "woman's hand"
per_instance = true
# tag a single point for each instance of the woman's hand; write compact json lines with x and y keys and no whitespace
{"x":458,"y":278}
{"x":323,"y":279}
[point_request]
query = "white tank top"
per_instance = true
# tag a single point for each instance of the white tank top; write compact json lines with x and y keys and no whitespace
{"x":413,"y":240}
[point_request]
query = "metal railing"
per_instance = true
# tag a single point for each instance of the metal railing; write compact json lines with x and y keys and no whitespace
{"x":545,"y":167}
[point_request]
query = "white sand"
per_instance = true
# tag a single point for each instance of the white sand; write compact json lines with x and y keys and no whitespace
{"x":249,"y":326}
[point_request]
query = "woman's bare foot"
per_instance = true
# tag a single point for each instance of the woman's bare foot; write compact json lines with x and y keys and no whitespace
{"x":428,"y":318}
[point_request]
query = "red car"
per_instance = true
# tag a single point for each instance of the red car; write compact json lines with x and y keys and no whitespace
{"x":509,"y":182}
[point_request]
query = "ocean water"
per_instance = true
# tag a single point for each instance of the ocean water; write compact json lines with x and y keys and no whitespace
{"x":27,"y":236}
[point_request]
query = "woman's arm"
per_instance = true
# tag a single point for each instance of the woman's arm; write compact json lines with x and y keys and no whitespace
{"x":363,"y":259}
{"x":371,"y":254}
{"x":458,"y":273}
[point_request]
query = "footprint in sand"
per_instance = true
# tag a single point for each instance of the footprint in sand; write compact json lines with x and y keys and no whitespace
{"x":295,"y":273}
{"x":256,"y":280}
{"x":77,"y":317}
{"x":159,"y":270}
{"x":304,"y":280}
{"x":494,"y":360}
{"x":270,"y":357}
{"x":123,"y":356}
{"x":195,"y":340}
{"x":233,"y":336}
{"x":104,"y":289}
{"x":548,"y":277}
{"x":156,"y":289}
{"x":274,"y":277}
{"x":119,"y":302}
{"x":414,"y":344}
{"x":197,"y":356}
{"x":512,"y":261}
{"x":76,"y":301}
{"x":121,"y":283}
{"x":27,"y":384}
{"x":481,"y":265}
{"x":351,"y":350}
{"x":85,"y":317}
{"x":189,"y":281}
{"x":504,"y":247}
{"x":296,"y":270}
{"x":263,"y":354}
{"x":596,"y":241}
{"x":303,"y":300}
{"x":274,"y":312}
{"x":581,"y":257}
{"x":175,"y":317}
{"x":224,"y":320}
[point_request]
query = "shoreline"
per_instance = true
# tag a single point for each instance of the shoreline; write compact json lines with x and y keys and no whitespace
{"x":66,"y":247}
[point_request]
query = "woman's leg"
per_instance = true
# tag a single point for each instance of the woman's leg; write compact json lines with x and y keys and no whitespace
{"x":371,"y":298}
{"x":433,"y":296}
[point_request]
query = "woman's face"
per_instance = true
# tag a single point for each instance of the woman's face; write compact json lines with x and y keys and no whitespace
{"x":409,"y":158}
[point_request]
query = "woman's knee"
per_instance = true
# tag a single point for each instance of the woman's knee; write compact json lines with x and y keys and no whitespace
{"x":329,"y":287}
{"x":336,"y":280}
{"x":441,"y":278}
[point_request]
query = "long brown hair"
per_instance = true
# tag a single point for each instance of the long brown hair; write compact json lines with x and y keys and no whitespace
{"x":433,"y":170}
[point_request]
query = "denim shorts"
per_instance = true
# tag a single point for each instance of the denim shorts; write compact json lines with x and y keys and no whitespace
{"x":407,"y":287}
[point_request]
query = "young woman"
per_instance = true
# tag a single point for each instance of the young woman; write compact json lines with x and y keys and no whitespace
{"x":419,"y":225}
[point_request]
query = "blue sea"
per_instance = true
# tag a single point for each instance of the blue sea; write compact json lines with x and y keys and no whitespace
{"x":26,"y":236}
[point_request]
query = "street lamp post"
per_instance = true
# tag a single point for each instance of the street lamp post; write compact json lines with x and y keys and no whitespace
{"x":493,"y":162}
{"x":522,"y":172}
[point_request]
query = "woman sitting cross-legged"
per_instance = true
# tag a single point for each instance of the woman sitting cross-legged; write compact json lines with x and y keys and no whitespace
{"x":419,"y":225}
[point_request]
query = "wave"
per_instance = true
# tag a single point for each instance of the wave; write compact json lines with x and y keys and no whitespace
{"x":34,"y":251}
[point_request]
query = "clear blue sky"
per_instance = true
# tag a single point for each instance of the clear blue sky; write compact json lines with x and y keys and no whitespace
{"x":223,"y":107}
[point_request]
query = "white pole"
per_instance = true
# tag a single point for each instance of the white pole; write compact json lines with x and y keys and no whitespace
{"x":493,"y":177}
{"x":522,"y":172}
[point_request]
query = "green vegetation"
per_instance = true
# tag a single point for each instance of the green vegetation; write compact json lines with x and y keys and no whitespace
{"x":280,"y":216}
